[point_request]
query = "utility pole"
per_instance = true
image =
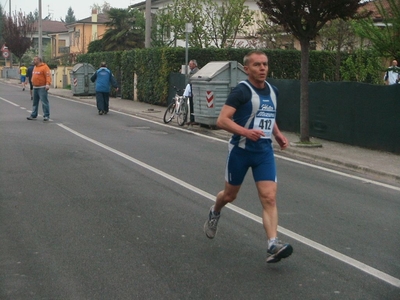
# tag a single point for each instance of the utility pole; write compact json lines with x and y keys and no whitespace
{"x":40,"y":29}
{"x":188,"y":29}
{"x":9,"y":8}
{"x":147,"y":39}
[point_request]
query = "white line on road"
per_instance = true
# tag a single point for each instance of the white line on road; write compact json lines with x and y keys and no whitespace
{"x":337,"y":255}
{"x":364,"y":180}
{"x":12,"y":103}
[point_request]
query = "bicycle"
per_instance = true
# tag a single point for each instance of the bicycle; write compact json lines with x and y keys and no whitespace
{"x":178,"y":108}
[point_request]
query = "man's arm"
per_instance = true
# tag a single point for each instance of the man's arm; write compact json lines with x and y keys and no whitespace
{"x":48,"y":77}
{"x":94,"y":77}
{"x":114,"y":82}
{"x":279,"y":137}
{"x":225,"y":121}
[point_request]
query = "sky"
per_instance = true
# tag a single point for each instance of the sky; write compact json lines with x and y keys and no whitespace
{"x":59,"y":10}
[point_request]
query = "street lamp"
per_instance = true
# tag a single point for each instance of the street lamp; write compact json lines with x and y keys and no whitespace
{"x":188,"y":29}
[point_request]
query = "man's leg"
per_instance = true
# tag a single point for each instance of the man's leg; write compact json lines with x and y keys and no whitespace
{"x":224,"y":197}
{"x":35,"y":104}
{"x":31,"y":89}
{"x":267,"y":194}
{"x":191,"y":109}
{"x":100,"y":102}
{"x":106,"y":102}
{"x":227,"y":195}
{"x":45,"y":103}
{"x":276,"y":249}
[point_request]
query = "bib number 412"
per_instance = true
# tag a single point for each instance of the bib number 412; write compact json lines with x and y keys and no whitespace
{"x":265,"y":124}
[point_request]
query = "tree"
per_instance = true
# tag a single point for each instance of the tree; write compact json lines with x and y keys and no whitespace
{"x":226,"y":20}
{"x":218,"y":26}
{"x":270,"y":35}
{"x":16,"y":31}
{"x":96,"y":46}
{"x":70,"y":17}
{"x":101,"y":9}
{"x":386,"y":39}
{"x":337,"y":36}
{"x":125,"y":30}
{"x":304,"y":19}
{"x":33,"y":17}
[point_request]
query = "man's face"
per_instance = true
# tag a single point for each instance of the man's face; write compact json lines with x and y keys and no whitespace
{"x":191,"y":65}
{"x":394,"y":63}
{"x":257,"y":67}
{"x":36,"y":61}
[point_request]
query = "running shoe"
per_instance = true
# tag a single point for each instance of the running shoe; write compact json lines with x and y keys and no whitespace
{"x":210,"y":227}
{"x":277,"y":251}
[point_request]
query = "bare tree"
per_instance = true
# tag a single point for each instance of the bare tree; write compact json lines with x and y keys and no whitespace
{"x":304,"y":19}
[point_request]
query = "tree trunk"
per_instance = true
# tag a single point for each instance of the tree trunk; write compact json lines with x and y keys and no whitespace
{"x":304,"y":103}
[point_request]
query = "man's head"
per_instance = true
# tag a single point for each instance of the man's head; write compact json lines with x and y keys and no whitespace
{"x":103,"y":64}
{"x":394,"y":63}
{"x":192,"y":64}
{"x":256,"y":66}
{"x":37,"y":60}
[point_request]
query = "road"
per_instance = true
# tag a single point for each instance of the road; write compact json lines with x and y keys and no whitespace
{"x":112,"y":207}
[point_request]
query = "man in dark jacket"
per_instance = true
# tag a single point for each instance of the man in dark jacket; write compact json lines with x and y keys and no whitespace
{"x":104,"y":78}
{"x":29,"y":75}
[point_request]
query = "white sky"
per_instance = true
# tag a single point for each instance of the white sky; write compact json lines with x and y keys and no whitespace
{"x":59,"y":10}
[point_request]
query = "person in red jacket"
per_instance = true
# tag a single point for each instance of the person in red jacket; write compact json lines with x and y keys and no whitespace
{"x":41,"y":80}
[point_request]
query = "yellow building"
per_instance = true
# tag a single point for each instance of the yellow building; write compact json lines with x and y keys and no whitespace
{"x":84,"y":31}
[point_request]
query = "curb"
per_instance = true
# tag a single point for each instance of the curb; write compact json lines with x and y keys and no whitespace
{"x":289,"y":152}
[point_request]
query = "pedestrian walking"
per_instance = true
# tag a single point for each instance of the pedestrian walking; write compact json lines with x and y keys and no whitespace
{"x":41,"y":80}
{"x":103,"y":78}
{"x":249,"y":114}
{"x":22,"y":72}
{"x":29,"y":76}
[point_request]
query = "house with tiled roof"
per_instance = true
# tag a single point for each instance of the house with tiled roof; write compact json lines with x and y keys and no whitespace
{"x":49,"y":27}
{"x":84,"y":31}
{"x":375,"y":14}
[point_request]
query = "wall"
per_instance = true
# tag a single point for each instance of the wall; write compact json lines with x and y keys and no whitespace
{"x":358,"y":114}
{"x":59,"y":80}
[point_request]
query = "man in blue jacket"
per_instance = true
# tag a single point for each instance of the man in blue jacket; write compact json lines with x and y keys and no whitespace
{"x":104,"y":78}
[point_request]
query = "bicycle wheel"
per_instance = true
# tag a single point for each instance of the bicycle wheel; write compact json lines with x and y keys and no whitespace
{"x":169,"y":113}
{"x":182,"y":113}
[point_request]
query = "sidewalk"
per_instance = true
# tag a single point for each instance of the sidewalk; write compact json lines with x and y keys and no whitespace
{"x":379,"y":165}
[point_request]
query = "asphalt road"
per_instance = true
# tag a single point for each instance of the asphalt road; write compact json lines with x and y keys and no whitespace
{"x":112,"y":207}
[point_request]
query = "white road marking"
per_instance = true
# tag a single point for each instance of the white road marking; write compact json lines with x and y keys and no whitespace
{"x":276,"y":155}
{"x":337,"y":255}
{"x":12,"y":103}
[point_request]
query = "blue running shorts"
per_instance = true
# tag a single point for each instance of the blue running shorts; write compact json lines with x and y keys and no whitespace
{"x":240,"y":160}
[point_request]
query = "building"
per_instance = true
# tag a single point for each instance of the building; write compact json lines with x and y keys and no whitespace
{"x":84,"y":31}
{"x":49,"y":28}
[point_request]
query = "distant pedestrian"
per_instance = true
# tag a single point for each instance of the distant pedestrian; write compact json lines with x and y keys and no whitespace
{"x":103,"y":78}
{"x":193,"y":69}
{"x":41,"y":80}
{"x":392,"y":75}
{"x":22,"y":72}
{"x":29,"y":76}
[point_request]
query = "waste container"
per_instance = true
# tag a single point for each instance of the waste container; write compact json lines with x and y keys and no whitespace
{"x":80,"y":79}
{"x":211,"y":86}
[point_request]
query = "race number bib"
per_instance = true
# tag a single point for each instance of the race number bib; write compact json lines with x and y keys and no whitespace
{"x":265,"y":121}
